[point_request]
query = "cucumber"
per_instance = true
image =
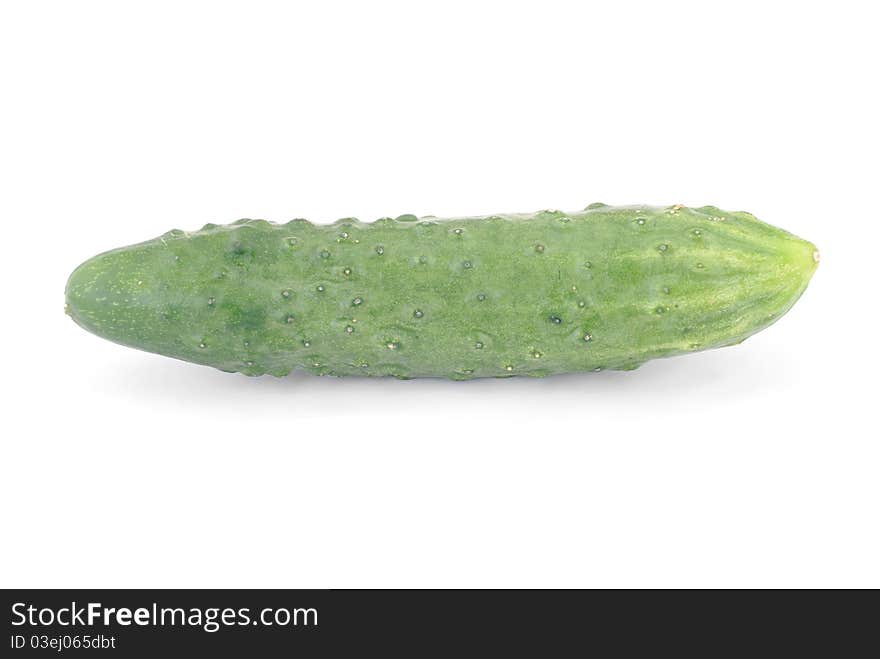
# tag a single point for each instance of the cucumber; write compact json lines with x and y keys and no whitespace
{"x":503,"y":295}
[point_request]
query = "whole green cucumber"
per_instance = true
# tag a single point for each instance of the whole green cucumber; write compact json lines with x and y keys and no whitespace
{"x":536,"y":294}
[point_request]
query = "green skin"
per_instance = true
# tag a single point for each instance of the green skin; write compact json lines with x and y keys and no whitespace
{"x":536,"y":294}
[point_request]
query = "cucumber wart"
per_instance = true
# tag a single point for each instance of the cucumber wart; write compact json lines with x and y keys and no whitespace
{"x":514,"y":294}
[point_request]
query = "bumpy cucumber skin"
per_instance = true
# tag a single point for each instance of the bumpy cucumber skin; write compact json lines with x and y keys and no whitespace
{"x":537,"y":294}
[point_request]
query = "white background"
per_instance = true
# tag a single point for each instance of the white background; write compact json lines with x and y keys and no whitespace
{"x":750,"y":466}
